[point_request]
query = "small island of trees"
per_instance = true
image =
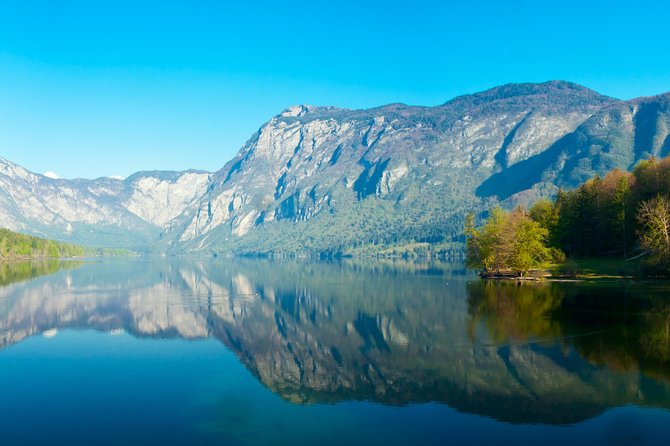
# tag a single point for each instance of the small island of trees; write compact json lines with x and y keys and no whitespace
{"x":622,"y":215}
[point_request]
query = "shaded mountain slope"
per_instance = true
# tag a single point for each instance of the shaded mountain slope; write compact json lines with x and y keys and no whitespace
{"x":619,"y":136}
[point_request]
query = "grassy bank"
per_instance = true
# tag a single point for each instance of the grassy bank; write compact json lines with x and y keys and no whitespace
{"x":593,"y":268}
{"x":598,"y":268}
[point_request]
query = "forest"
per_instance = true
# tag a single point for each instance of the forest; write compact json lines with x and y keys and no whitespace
{"x":20,"y":246}
{"x":622,"y":215}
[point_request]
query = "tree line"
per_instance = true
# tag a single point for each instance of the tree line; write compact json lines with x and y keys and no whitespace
{"x":623,"y":214}
{"x":15,"y":245}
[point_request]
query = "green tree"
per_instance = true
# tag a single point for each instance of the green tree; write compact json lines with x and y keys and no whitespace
{"x":530,"y":248}
{"x":545,"y":213}
{"x":472,"y":241}
{"x":508,"y":242}
{"x":620,"y":202}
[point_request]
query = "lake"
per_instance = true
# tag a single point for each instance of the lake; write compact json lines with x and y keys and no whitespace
{"x":237,"y":351}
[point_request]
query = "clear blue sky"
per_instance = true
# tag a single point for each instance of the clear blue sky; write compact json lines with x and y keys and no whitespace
{"x":93,"y":88}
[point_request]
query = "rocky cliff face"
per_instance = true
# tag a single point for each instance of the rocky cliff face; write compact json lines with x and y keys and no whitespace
{"x":325,"y":179}
{"x":320,"y":177}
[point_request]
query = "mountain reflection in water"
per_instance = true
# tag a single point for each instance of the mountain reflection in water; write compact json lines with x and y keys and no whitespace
{"x":395,"y":333}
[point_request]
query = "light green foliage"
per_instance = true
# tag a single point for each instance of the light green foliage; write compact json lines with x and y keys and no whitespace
{"x":508,"y":242}
{"x":545,"y":213}
{"x":530,"y":243}
{"x":15,"y":245}
{"x":619,"y":215}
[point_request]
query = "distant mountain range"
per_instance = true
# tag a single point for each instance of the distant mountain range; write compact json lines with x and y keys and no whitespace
{"x":329,"y":180}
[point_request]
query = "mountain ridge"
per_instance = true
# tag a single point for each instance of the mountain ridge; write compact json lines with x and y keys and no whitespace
{"x":331,"y":180}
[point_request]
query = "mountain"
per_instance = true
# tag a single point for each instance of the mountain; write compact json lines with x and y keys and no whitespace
{"x":618,"y":136}
{"x":324,"y":178}
{"x":105,"y":212}
{"x":331,"y":180}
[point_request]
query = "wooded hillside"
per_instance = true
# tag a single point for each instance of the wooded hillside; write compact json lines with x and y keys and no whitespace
{"x":15,"y":245}
{"x":619,"y":215}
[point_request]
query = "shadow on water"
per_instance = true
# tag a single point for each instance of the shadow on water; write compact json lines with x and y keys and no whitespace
{"x":396,"y":333}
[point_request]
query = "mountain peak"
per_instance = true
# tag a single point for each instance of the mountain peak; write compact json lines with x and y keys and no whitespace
{"x":296,"y":111}
{"x":310,"y":111}
{"x":557,"y":87}
{"x":549,"y":91}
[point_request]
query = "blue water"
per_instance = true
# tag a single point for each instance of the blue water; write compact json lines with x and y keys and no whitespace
{"x":95,"y":369}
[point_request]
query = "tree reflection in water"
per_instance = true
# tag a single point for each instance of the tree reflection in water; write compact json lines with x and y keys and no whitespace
{"x":622,"y":326}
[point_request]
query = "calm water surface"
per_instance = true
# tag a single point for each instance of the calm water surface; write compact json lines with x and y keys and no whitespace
{"x":263,"y":352}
